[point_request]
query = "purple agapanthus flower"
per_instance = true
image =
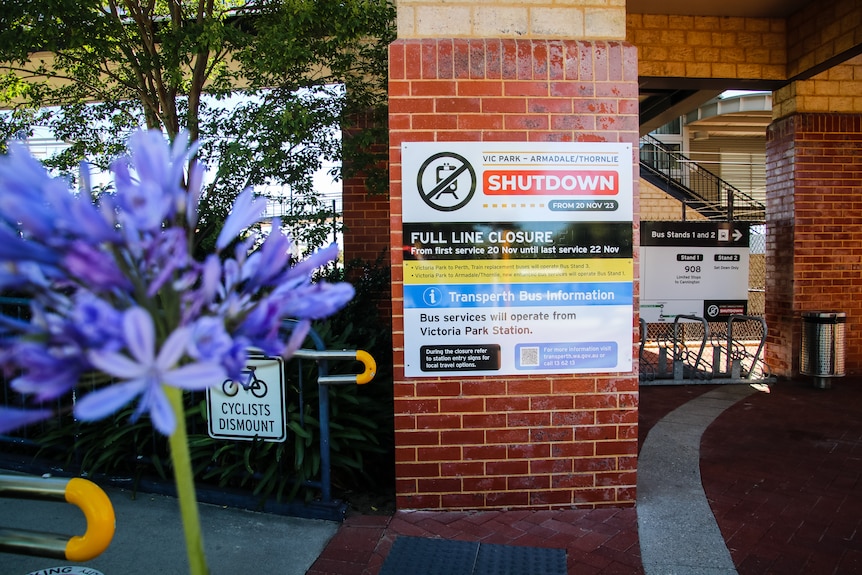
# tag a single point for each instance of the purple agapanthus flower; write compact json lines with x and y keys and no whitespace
{"x":12,"y":418}
{"x":145,"y":372}
{"x":91,"y":265}
{"x":95,"y":323}
{"x":153,"y":192}
{"x":247,"y":210}
{"x":114,"y":287}
{"x":49,"y":371}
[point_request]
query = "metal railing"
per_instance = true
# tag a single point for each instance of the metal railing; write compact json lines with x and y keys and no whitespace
{"x":84,"y":494}
{"x":322,"y":356}
{"x":696,"y":186}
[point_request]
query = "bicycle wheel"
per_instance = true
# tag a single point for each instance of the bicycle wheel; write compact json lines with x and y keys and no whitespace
{"x":258,"y":388}
{"x":230,"y":387}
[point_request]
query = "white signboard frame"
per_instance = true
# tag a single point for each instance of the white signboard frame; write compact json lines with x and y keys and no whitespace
{"x":255,"y":410}
{"x":694,"y":268}
{"x":517,"y":258}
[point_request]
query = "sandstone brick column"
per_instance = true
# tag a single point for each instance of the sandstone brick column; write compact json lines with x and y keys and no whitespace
{"x":521,"y":72}
{"x":814,"y":210}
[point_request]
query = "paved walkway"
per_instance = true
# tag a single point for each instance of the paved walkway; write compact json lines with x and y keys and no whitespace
{"x":780,"y":475}
{"x":783,"y":474}
{"x":149,"y":538}
{"x":676,"y":526}
{"x":780,"y":478}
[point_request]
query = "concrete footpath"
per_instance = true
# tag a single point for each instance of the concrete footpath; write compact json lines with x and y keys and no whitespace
{"x":676,"y":527}
{"x":149,"y":538}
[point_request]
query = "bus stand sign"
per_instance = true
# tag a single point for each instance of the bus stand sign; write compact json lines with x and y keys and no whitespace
{"x":253,"y":408}
{"x":694,"y":268}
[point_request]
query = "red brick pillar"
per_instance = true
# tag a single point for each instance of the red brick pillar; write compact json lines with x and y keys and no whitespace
{"x":537,"y":441}
{"x":366,"y":222}
{"x":366,"y":210}
{"x":814,"y":237}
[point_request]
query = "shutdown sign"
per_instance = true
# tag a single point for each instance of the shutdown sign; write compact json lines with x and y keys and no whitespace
{"x":517,"y":258}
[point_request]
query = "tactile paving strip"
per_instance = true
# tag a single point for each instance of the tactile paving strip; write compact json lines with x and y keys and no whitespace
{"x":424,"y":556}
{"x":517,"y":560}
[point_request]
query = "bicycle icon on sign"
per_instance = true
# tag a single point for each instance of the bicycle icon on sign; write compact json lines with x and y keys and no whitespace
{"x":251,"y":383}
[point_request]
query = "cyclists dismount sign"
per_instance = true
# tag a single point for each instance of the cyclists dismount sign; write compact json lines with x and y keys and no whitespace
{"x":252,"y":407}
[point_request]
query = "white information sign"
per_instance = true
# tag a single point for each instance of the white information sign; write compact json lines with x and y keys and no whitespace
{"x":253,"y":408}
{"x":517,"y":258}
{"x":693,"y":268}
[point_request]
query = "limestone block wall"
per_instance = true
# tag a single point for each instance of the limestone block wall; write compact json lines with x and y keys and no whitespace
{"x":821,"y":31}
{"x":559,"y":19}
{"x":709,"y":46}
{"x":837,"y":89}
{"x":658,"y":206}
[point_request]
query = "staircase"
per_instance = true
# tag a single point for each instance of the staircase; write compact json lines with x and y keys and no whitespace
{"x":695,"y":186}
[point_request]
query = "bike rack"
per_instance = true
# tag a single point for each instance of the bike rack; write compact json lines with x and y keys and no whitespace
{"x":82,"y":493}
{"x":678,"y":359}
{"x":734,"y":364}
{"x":701,"y":370}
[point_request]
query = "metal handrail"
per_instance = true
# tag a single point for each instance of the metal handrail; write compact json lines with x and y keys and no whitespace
{"x":324,"y":380}
{"x":84,"y":494}
{"x":370,"y":366}
{"x":709,"y":194}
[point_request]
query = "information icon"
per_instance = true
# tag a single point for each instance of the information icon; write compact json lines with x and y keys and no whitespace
{"x":432,"y":297}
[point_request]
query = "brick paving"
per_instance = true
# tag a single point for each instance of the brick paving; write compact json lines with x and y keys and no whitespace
{"x":601,"y":541}
{"x":782,"y":472}
{"x":783,"y":475}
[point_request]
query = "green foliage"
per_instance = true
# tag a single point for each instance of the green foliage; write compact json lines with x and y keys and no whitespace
{"x":361,"y":435}
{"x":265,"y":86}
{"x":114,"y":446}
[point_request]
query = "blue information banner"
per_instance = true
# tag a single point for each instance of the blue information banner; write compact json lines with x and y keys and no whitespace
{"x":520,"y":295}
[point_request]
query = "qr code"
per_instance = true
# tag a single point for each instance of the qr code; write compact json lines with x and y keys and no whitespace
{"x":529,"y":356}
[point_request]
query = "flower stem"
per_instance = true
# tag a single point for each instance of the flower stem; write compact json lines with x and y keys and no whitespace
{"x":184,"y":480}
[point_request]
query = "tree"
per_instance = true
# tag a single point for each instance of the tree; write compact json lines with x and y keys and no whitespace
{"x":264,"y":85}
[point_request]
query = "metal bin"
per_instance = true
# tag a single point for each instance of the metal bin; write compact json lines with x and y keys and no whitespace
{"x":822,"y":354}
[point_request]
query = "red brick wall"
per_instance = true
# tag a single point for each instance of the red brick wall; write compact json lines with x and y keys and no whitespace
{"x":366,"y":213}
{"x":366,"y":219}
{"x":527,"y":441}
{"x":814,"y":237}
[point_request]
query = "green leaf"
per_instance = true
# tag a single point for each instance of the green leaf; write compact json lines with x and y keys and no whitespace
{"x":298,"y":430}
